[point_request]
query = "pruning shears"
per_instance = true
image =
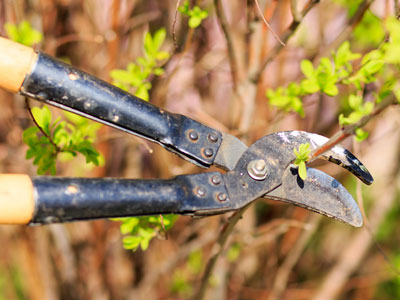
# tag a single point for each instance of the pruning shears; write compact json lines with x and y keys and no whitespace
{"x":263,"y":169}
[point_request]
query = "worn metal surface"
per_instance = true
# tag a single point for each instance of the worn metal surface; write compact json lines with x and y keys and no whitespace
{"x":320,"y":193}
{"x":229,"y":152}
{"x":337,"y":155}
{"x":61,"y":85}
{"x":66,"y":199}
{"x":277,"y":150}
{"x":69,"y":199}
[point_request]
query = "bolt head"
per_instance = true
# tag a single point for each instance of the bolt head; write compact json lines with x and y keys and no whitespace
{"x":193,"y":135}
{"x":208,"y":152}
{"x":216,"y":179}
{"x":213,"y":137}
{"x":257,"y":169}
{"x":222,"y":197}
{"x":200,"y":191}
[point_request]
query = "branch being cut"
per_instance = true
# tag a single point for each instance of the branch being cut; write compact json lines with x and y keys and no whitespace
{"x":351,"y":129}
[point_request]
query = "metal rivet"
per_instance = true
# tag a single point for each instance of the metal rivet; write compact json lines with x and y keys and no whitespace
{"x":222,"y":197}
{"x":193,"y":135}
{"x":213,"y":137}
{"x":200,"y":191}
{"x":216,"y":179}
{"x":257,"y":169}
{"x":208,"y":152}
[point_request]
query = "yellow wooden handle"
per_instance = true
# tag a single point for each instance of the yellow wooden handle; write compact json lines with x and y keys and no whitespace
{"x":17,"y":202}
{"x":16,"y":61}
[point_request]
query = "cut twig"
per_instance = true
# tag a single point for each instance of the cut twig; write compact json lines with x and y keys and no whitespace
{"x":267,"y":24}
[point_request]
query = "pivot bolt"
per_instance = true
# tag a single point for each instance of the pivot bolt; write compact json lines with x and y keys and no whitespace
{"x":257,"y":169}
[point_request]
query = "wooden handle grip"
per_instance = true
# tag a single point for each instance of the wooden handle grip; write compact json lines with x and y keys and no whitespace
{"x":17,"y":202}
{"x":16,"y":61}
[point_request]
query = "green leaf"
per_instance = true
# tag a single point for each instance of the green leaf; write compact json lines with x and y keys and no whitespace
{"x":159,"y":38}
{"x":131,"y":242}
{"x":330,"y":89}
{"x":307,"y":68}
{"x":310,"y":86}
{"x":194,"y":22}
{"x":373,"y":66}
{"x":302,"y":170}
{"x":121,"y":75}
{"x":355,"y":101}
{"x":23,"y":33}
{"x":361,"y":135}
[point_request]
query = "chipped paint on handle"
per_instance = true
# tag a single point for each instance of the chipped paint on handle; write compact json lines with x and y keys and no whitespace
{"x":17,"y":203}
{"x":16,"y":61}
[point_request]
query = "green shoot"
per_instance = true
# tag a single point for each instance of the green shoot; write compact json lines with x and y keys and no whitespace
{"x":301,"y":158}
{"x":23,"y":33}
{"x":196,"y":14}
{"x":136,"y":77}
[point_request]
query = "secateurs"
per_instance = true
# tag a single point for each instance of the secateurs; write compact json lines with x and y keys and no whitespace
{"x":263,"y":169}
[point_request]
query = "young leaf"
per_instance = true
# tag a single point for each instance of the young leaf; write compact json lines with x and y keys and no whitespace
{"x":301,"y":157}
{"x":302,"y":170}
{"x":307,"y":68}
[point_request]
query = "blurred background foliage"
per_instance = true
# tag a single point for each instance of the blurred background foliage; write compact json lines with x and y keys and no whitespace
{"x":217,"y":62}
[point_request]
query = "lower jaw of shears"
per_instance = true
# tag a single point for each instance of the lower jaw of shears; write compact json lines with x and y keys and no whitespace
{"x":320,"y":193}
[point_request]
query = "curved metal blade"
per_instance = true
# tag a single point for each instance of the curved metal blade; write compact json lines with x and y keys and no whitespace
{"x":320,"y":193}
{"x":337,"y":154}
{"x":229,"y":152}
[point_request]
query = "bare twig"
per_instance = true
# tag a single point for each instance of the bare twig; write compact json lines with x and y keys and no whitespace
{"x":348,"y":29}
{"x":292,"y":258}
{"x":286,"y":36}
{"x":229,"y":41}
{"x":58,"y":149}
{"x":267,"y":24}
{"x":356,"y":248}
{"x":350,"y":129}
{"x":178,"y":3}
{"x":218,"y":249}
{"x":367,"y":225}
{"x":295,"y":13}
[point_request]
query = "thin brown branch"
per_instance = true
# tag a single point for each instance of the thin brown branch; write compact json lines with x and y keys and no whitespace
{"x":229,"y":41}
{"x":355,"y":249}
{"x":267,"y":24}
{"x":282,"y":276}
{"x":351,"y":129}
{"x":178,"y":3}
{"x":396,"y":8}
{"x":286,"y":36}
{"x":58,"y":149}
{"x":348,"y":29}
{"x":219,"y":247}
{"x":295,"y":13}
{"x":367,"y":225}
